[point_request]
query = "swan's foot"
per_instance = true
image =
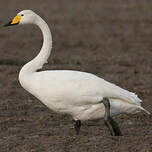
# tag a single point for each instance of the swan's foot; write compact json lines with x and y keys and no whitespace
{"x":109,"y":122}
{"x":77,"y":126}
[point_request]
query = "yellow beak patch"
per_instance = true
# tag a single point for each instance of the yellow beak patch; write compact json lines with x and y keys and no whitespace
{"x":16,"y":19}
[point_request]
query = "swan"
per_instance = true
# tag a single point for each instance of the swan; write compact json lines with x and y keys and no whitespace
{"x":82,"y":95}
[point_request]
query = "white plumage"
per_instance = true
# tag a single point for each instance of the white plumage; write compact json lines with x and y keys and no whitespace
{"x":72,"y":92}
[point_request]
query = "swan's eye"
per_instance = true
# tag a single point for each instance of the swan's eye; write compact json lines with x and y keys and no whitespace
{"x":22,"y":14}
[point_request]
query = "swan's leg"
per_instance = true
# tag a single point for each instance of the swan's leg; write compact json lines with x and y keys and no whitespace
{"x":113,"y":127}
{"x":77,"y":126}
{"x":109,"y":122}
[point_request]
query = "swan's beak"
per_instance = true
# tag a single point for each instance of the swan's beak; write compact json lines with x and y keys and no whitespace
{"x":15,"y":21}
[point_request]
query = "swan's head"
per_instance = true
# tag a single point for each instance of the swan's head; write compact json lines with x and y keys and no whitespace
{"x":23,"y":17}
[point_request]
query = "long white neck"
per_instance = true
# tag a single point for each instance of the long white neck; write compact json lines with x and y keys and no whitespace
{"x":42,"y":57}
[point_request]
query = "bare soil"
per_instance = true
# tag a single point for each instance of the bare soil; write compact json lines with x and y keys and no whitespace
{"x":112,"y":39}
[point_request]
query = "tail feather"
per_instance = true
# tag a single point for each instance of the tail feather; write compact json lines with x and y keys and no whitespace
{"x":146,"y":111}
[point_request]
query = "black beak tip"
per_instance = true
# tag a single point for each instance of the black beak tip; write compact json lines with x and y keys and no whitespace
{"x":8,"y":24}
{"x":5,"y":25}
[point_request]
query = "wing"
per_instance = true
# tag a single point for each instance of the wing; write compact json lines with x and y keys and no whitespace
{"x":82,"y":87}
{"x":115,"y":92}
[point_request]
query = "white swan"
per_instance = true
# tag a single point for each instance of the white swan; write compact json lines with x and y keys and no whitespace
{"x":76,"y":93}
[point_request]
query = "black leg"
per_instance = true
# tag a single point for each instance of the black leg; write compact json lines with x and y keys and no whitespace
{"x":77,"y":126}
{"x":113,"y":127}
{"x":109,"y":122}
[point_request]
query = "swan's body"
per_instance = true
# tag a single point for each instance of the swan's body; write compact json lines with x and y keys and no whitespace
{"x":72,"y":92}
{"x":78,"y":93}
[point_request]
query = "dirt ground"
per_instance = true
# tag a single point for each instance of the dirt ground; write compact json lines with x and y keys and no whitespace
{"x":112,"y":39}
